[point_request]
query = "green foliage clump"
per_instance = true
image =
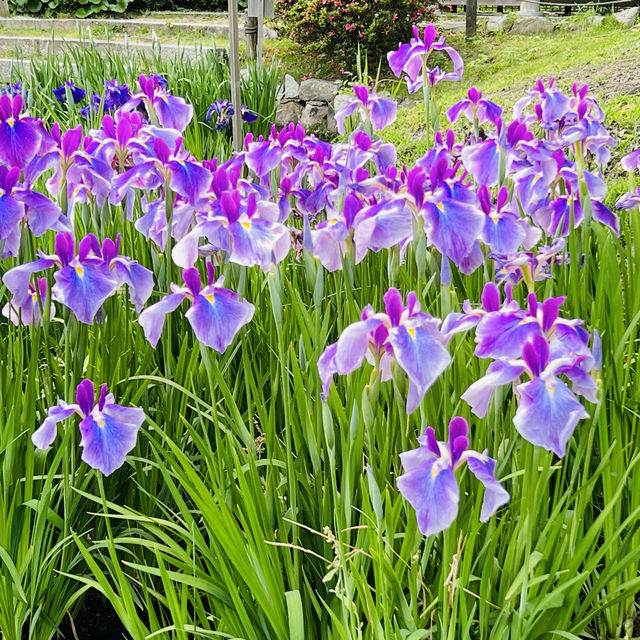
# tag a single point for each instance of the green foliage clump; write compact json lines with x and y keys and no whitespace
{"x":334,"y":31}
{"x":86,"y":8}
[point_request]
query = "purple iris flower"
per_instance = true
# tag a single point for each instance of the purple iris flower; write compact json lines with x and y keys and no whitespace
{"x":169,"y":111}
{"x":83,"y":282}
{"x":379,"y":111}
{"x":477,"y":109}
{"x":504,"y":231}
{"x":30,"y":312}
{"x":216,"y":314}
{"x":245,"y":227}
{"x":429,"y":482}
{"x":109,"y":430}
{"x":223,"y":109}
{"x":77,"y":93}
{"x":527,"y":265}
{"x":540,"y":345}
{"x":18,"y":203}
{"x":19,"y":136}
{"x":411,"y":58}
{"x":248,"y":116}
{"x":116,"y":95}
{"x":403,"y":335}
{"x":93,"y":106}
{"x":11,"y":89}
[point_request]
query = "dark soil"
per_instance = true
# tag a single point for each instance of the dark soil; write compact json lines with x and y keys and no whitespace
{"x":95,"y":620}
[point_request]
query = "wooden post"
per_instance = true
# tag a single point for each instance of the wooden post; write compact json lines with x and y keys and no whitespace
{"x":4,"y":9}
{"x":471,"y":18}
{"x":251,"y":34}
{"x":234,"y":75}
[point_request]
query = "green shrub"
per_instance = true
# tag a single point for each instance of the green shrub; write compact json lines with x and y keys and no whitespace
{"x":334,"y":30}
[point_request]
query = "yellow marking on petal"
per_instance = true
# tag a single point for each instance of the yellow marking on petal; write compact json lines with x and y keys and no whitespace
{"x":434,"y":471}
{"x":79,"y":270}
{"x":495,"y":217}
{"x":246,"y":224}
{"x":440,"y":206}
{"x":163,"y":97}
{"x":209,"y":297}
{"x":11,"y":121}
{"x":100,"y":422}
{"x":527,"y":320}
{"x":332,"y":222}
{"x":412,"y":332}
{"x":34,"y":297}
{"x":2,"y":192}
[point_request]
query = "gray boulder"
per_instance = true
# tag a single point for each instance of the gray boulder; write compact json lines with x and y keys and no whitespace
{"x":498,"y":23}
{"x":314,"y":117}
{"x":291,"y":88}
{"x":288,"y":112}
{"x":531,"y":25}
{"x":627,"y":17}
{"x":314,"y":90}
{"x":596,"y":21}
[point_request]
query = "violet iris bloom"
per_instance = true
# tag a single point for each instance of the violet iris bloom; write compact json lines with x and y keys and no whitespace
{"x":83,"y":281}
{"x":30,"y":312}
{"x":216,"y":314}
{"x":429,"y":482}
{"x":537,"y":344}
{"x":477,"y":109}
{"x":403,"y":335}
{"x":411,"y":58}
{"x":116,"y":95}
{"x":243,"y":226}
{"x":109,"y":430}
{"x":19,"y":136}
{"x":169,"y":111}
{"x":17,"y":204}
{"x":77,"y":93}
{"x":378,"y":111}
{"x":223,"y":109}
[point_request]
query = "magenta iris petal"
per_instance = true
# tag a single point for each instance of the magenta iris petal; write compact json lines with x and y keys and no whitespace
{"x":548,"y":413}
{"x":19,"y":142}
{"x":263,"y":157}
{"x":217,"y":315}
{"x":85,"y":396}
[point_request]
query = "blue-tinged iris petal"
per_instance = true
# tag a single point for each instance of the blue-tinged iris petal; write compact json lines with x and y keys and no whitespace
{"x":257,"y":241}
{"x":422,"y":356}
{"x":548,"y":413}
{"x":152,"y":319}
{"x":108,"y":435}
{"x":83,"y":288}
{"x":172,"y":112}
{"x":502,"y":334}
{"x":431,"y":489}
{"x":479,"y":394}
{"x":217,"y":315}
{"x":11,"y":212}
{"x":495,"y":495}
{"x":46,"y":433}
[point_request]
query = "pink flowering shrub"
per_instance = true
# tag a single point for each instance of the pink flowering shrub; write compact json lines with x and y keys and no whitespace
{"x":332,"y":30}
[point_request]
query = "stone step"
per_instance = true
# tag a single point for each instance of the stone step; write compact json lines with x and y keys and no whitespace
{"x":27,"y":47}
{"x":217,"y":26}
